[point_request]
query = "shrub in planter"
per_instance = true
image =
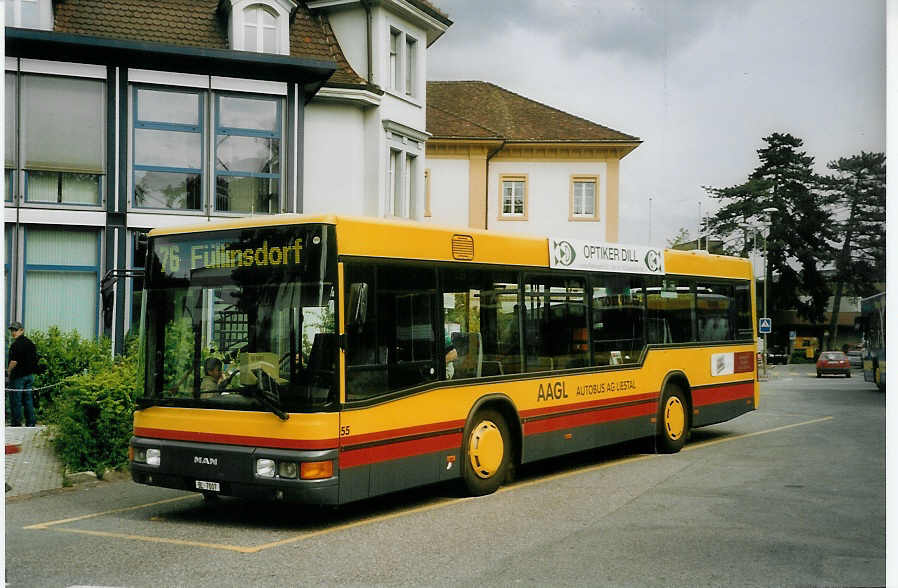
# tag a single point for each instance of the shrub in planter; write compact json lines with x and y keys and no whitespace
{"x":93,"y":418}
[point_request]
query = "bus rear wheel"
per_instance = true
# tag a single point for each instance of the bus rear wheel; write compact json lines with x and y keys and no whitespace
{"x":486,"y":453}
{"x":673,"y":420}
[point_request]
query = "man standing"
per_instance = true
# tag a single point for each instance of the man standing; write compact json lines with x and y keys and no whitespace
{"x":20,"y":371}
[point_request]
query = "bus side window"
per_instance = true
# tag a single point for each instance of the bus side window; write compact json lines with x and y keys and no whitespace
{"x":618,"y":311}
{"x":671,"y":302}
{"x":555,"y":318}
{"x":714,"y":308}
{"x":480,"y":322}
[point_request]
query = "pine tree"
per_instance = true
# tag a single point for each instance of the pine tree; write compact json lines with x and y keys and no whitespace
{"x":798,"y":244}
{"x":859,"y":187}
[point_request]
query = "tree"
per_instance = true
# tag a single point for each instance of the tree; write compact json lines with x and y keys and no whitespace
{"x":681,"y":237}
{"x":859,"y":187}
{"x":800,"y":231}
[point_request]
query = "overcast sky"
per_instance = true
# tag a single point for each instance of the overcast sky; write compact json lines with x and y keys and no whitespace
{"x":701,"y":82}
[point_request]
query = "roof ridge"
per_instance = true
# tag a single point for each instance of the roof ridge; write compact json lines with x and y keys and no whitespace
{"x":467,"y":120}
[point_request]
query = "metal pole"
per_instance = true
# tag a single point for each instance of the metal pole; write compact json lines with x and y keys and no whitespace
{"x":764,"y":355}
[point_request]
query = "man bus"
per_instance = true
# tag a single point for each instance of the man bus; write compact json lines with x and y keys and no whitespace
{"x":367,"y":356}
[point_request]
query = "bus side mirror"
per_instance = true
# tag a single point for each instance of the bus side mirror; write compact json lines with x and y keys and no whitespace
{"x":358,"y":306}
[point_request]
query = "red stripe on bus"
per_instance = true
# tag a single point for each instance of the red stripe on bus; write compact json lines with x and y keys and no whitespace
{"x":594,"y":417}
{"x":390,"y":451}
{"x":236,"y":439}
{"x":395,"y":434}
{"x":588,"y":405}
{"x":723,"y":393}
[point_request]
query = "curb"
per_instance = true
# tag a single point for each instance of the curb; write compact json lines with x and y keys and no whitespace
{"x":78,"y":481}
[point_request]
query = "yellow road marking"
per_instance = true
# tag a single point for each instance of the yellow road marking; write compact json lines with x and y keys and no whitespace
{"x":377,"y":518}
{"x":107,"y":512}
{"x":755,"y":434}
{"x":151,"y":539}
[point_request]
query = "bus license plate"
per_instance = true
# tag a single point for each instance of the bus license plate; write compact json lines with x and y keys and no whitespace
{"x":213,"y":486}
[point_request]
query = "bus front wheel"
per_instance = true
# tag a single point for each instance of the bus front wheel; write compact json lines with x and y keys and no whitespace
{"x":486,"y":453}
{"x":673,"y":420}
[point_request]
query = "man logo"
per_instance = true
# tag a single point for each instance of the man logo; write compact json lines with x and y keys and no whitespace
{"x":653,"y":260}
{"x":564,"y":253}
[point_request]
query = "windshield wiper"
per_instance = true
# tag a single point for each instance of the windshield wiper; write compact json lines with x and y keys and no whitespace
{"x":262,"y":391}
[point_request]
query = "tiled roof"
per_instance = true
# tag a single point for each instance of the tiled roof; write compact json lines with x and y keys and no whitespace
{"x":508,"y":115}
{"x":194,"y":23}
{"x":456,"y":127}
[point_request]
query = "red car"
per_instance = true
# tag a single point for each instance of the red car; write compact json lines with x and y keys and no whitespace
{"x":833,"y":362}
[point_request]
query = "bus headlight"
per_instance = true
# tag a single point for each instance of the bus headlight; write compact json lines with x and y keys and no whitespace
{"x":265,"y":468}
{"x":287,"y":469}
{"x":148,"y":455}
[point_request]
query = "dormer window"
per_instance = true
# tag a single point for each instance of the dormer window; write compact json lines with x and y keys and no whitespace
{"x":29,"y":14}
{"x":262,"y":26}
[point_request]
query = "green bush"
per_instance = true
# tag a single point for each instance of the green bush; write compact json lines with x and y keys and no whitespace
{"x":93,"y":417}
{"x":64,"y":355}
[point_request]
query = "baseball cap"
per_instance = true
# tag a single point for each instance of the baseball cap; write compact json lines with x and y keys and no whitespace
{"x":15,"y":326}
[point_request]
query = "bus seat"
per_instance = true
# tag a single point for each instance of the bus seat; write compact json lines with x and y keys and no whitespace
{"x":470,"y":355}
{"x":491,"y":368}
{"x":323,"y":353}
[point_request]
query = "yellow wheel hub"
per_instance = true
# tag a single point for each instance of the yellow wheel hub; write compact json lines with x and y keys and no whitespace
{"x":485,"y":449}
{"x":674,"y":418}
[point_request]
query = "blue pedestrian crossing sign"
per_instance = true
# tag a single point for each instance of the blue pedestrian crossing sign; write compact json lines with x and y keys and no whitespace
{"x":765,"y":325}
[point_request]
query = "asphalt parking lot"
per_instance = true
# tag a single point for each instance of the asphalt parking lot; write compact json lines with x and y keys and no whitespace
{"x":791,"y":494}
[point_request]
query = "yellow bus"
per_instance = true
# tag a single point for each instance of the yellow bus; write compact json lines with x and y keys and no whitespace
{"x":326,"y":359}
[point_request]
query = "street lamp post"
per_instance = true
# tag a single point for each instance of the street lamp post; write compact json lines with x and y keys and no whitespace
{"x":768,"y":224}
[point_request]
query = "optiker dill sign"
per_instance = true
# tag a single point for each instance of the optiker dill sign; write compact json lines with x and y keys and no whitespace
{"x":607,"y":257}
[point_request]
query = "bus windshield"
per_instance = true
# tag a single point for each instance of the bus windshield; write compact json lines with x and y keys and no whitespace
{"x":242,"y":319}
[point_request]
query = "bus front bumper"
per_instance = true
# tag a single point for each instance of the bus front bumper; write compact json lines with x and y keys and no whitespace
{"x":230,"y":470}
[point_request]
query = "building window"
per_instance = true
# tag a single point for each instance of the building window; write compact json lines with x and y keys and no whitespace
{"x":29,"y":14}
{"x":260,"y":29}
{"x":63,"y":139}
{"x":62,"y":279}
{"x":513,"y":197}
{"x":247,"y":154}
{"x":410,"y":65}
{"x":168,"y":149}
{"x":394,"y":184}
{"x":403,"y":64}
{"x":395,"y":40}
{"x":9,"y":235}
{"x":259,"y":25}
{"x":10,"y":137}
{"x":410,"y":196}
{"x":584,"y":197}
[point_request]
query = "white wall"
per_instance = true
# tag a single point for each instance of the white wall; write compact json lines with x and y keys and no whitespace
{"x":449,"y":187}
{"x":548,"y":198}
{"x":350,"y":28}
{"x":334,"y":152}
{"x":408,"y":110}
